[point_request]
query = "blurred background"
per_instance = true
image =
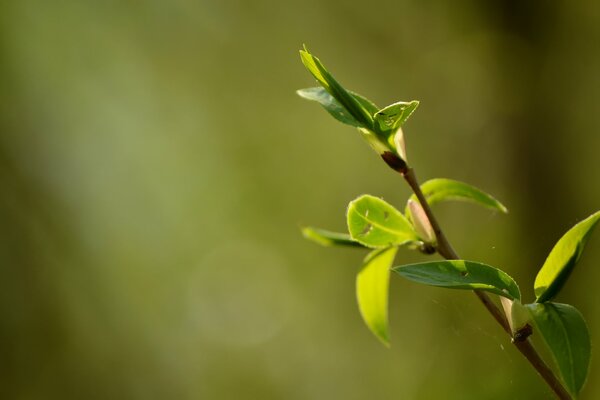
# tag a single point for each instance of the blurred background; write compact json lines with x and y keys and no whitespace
{"x":156,"y":165}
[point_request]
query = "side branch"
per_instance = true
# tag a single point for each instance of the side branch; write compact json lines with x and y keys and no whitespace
{"x":444,"y":248}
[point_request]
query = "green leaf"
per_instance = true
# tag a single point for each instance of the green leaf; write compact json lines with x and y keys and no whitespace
{"x":356,"y":108}
{"x":375,"y":223}
{"x":366,"y":103}
{"x":393,"y":116}
{"x":372,"y":286}
{"x":328,"y":238}
{"x":440,"y":189}
{"x":461,"y":274}
{"x":562,"y":259}
{"x":566,"y":334}
{"x":337,"y":111}
{"x":333,"y":107}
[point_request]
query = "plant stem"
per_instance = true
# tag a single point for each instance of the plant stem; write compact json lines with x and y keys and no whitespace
{"x":444,"y":248}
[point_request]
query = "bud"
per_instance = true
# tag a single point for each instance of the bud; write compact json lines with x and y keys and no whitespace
{"x":518,"y":318}
{"x":507,"y":306}
{"x":399,"y":144}
{"x":421,"y":222}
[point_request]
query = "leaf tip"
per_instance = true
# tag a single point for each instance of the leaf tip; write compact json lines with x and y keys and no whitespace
{"x":309,"y":233}
{"x":385,"y":341}
{"x":301,"y":93}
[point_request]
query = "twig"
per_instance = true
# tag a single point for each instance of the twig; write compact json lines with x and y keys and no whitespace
{"x":444,"y":248}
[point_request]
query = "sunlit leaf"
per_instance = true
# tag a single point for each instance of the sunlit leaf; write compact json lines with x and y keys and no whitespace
{"x":375,"y":223}
{"x":333,"y":107}
{"x":562,"y":259}
{"x":393,"y":116}
{"x":566,"y":334}
{"x":356,"y":108}
{"x":441,"y":189}
{"x":461,"y":274}
{"x":339,"y":112}
{"x":328,"y":238}
{"x":384,"y":136}
{"x":372,"y":286}
{"x":330,"y":104}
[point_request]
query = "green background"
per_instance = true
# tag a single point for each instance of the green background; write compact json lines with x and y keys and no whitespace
{"x":156,"y":164}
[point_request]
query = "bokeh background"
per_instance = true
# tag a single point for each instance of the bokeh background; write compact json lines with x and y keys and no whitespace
{"x":155,"y":167}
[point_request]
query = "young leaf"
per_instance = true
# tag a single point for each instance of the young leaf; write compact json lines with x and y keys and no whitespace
{"x":436,"y":190}
{"x":333,"y":107}
{"x":330,"y":104}
{"x":366,"y":103}
{"x":385,"y":136}
{"x":372,"y":285}
{"x":562,"y":259}
{"x":375,"y":223}
{"x":328,"y":238}
{"x":566,"y":334}
{"x":461,"y":274}
{"x":393,"y":116}
{"x":357,"y":109}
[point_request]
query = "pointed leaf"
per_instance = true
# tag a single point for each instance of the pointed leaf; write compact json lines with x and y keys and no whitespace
{"x":328,"y":238}
{"x":375,"y":223}
{"x":330,"y":104}
{"x":366,"y":103}
{"x":372,"y":286}
{"x":337,"y":111}
{"x":562,"y":259}
{"x":566,"y":334}
{"x":333,"y":107}
{"x":436,"y":190}
{"x":356,"y":108}
{"x":461,"y":274}
{"x":393,"y":116}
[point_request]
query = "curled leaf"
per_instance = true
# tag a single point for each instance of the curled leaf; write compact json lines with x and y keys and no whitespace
{"x":392,"y":117}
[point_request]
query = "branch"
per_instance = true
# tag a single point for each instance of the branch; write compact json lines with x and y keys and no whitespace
{"x":444,"y":248}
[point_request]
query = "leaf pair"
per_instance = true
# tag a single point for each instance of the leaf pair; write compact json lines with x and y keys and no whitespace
{"x":380,"y":127}
{"x":561,"y":325}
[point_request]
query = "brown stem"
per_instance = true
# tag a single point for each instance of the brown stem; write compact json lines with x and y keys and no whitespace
{"x":444,"y":248}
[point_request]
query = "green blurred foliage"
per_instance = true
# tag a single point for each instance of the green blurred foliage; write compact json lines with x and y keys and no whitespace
{"x":155,"y":164}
